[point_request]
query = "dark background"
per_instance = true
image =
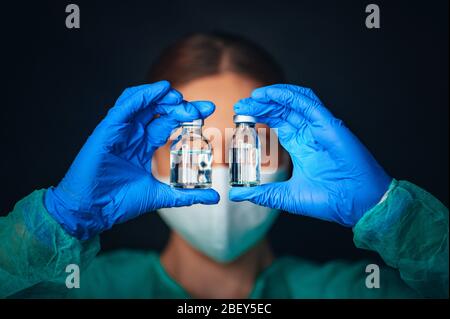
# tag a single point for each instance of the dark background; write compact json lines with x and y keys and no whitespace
{"x":389,"y":85}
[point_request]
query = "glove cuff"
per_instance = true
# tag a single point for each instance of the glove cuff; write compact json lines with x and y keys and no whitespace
{"x":81,"y":225}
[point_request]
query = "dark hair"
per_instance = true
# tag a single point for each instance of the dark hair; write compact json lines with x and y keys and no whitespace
{"x":202,"y":54}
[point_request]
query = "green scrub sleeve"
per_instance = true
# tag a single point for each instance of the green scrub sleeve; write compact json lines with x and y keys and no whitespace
{"x":409,"y":229}
{"x":35,"y":251}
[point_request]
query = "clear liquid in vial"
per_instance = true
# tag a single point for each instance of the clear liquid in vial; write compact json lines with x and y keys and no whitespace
{"x":244,"y":166}
{"x":190,"y":168}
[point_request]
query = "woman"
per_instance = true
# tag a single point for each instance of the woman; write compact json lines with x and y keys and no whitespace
{"x":222,"y":69}
{"x":216,"y":251}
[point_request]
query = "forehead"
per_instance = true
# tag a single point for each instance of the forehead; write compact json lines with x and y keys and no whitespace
{"x":224,"y":90}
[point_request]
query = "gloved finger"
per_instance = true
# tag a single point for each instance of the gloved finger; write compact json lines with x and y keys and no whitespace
{"x":137,"y":100}
{"x":173,"y":97}
{"x":158,"y":131}
{"x":330,"y":136}
{"x":311,"y":109}
{"x":206,"y":108}
{"x":299,"y":89}
{"x":291,"y":128}
{"x":287,"y":125}
{"x":128,"y":92}
{"x":268,"y":195}
{"x":249,"y":106}
{"x":186,"y":111}
{"x":187,"y":197}
{"x":341,"y":143}
{"x":284,"y":130}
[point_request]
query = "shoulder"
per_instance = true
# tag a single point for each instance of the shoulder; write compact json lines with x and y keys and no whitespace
{"x":122,"y":262}
{"x":126,"y":256}
{"x":326,"y":271}
{"x":337,"y":279}
{"x":117,"y":274}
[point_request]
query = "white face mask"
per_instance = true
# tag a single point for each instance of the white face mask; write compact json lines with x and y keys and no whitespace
{"x":228,"y":229}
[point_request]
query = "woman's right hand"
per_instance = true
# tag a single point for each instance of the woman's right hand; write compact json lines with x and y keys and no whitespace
{"x":110,"y":180}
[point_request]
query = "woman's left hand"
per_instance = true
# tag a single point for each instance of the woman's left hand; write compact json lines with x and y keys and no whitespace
{"x":335,"y":177}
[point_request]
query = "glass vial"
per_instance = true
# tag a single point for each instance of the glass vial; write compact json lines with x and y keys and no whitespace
{"x":244,"y":153}
{"x":191,"y":158}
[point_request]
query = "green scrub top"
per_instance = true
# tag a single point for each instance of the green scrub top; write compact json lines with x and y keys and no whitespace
{"x":408,"y":228}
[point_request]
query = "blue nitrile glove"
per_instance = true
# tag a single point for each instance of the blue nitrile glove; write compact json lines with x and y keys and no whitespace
{"x":110,"y":180}
{"x":335,"y":178}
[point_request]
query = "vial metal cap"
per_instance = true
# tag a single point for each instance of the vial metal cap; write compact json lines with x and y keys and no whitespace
{"x":244,"y":119}
{"x":198,"y":122}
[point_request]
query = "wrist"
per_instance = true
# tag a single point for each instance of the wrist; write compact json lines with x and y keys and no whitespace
{"x":69,"y":215}
{"x":391,"y":185}
{"x":57,"y":210}
{"x":379,"y":220}
{"x":382,"y":198}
